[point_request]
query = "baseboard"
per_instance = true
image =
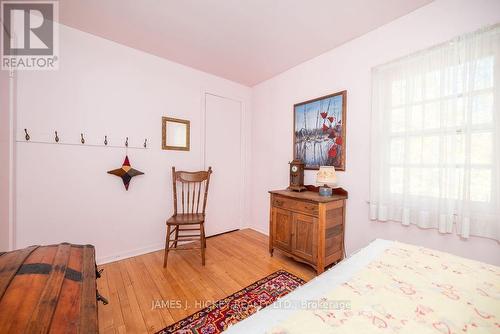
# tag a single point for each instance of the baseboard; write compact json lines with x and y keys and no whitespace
{"x":216,"y":235}
{"x":132,"y":253}
{"x":140,"y":251}
{"x":148,"y":249}
{"x":266,"y":232}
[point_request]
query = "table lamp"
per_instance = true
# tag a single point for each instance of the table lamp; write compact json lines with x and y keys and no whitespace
{"x":326,"y":178}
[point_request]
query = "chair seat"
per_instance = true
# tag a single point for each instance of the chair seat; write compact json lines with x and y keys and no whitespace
{"x":186,"y":219}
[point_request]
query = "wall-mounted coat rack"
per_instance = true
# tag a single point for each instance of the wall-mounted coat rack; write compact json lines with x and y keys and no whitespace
{"x":57,"y":141}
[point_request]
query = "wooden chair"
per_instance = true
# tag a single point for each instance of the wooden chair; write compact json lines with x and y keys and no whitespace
{"x":192,"y":185}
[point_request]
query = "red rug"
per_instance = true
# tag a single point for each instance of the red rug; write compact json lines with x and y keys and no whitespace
{"x":238,"y":306}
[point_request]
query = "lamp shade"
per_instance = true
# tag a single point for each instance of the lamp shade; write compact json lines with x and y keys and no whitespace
{"x":326,"y":175}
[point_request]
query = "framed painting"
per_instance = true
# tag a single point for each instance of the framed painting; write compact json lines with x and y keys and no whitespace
{"x":319,"y":131}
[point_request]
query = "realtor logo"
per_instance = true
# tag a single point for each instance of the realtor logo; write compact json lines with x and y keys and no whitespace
{"x":29,"y":35}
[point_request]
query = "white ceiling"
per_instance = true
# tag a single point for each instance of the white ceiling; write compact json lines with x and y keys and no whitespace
{"x":244,"y":41}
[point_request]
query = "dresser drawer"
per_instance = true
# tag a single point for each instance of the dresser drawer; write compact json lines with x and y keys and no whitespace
{"x":295,"y":205}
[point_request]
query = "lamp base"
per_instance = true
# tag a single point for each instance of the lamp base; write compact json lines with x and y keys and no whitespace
{"x":325,"y":191}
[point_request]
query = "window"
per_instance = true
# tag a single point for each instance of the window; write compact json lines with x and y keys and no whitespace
{"x":435,"y":137}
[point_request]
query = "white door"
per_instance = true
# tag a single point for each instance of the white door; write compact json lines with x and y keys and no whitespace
{"x":223,"y":153}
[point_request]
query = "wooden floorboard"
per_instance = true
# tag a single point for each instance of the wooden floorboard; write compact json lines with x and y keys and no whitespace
{"x":233,"y":261}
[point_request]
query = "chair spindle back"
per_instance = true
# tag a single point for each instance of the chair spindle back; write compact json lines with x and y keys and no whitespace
{"x":192,"y":186}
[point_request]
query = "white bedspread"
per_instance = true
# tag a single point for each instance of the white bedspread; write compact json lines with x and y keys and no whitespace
{"x":389,"y":287}
{"x":274,"y":314}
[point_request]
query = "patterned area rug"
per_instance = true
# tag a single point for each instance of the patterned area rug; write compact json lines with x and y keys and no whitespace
{"x":238,"y":306}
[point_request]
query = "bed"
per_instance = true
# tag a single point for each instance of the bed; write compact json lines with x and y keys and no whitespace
{"x":389,"y":287}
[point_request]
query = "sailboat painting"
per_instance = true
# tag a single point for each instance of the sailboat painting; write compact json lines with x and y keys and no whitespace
{"x":319,"y":131}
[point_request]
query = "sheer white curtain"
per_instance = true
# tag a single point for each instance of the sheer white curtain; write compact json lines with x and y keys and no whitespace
{"x":436,"y":137}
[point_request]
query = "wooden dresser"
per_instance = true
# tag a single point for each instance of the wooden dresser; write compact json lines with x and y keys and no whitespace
{"x":49,"y":289}
{"x":308,"y":227}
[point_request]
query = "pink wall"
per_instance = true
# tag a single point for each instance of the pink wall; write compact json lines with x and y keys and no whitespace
{"x":348,"y":67}
{"x":64,"y":194}
{"x":101,"y":87}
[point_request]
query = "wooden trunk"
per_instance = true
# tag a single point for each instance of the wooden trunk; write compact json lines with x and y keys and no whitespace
{"x":48,"y":289}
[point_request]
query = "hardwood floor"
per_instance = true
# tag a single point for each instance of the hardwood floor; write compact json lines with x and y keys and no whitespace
{"x":134,"y":285}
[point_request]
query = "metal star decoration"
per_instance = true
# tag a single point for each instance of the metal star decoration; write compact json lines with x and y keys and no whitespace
{"x":126,"y":172}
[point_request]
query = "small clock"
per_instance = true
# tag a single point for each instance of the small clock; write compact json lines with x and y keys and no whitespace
{"x":297,"y":175}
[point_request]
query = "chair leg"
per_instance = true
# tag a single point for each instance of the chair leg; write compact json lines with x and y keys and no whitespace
{"x":204,"y":238}
{"x":202,"y":243}
{"x":176,"y":236}
{"x":167,"y":247}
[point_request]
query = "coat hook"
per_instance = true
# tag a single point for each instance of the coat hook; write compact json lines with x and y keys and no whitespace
{"x":105,"y":140}
{"x":57,"y":137}
{"x":126,"y":142}
{"x":27,"y":136}
{"x":145,"y":143}
{"x":83,"y":139}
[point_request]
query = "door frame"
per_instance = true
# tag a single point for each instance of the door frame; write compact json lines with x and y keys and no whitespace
{"x":8,"y":107}
{"x":243,"y":143}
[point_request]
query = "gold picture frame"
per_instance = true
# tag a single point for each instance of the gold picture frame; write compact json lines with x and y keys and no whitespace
{"x":175,"y":134}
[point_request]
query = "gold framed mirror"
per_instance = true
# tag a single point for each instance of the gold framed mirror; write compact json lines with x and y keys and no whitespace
{"x":175,"y":134}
